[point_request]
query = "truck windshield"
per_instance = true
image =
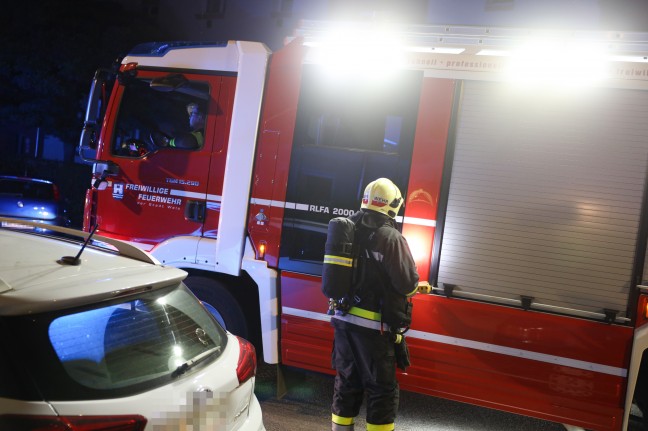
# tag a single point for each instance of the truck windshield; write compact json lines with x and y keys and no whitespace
{"x":149,"y":119}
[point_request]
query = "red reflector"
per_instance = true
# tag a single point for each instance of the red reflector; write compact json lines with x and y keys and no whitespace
{"x":57,"y":194}
{"x":129,"y":66}
{"x":247,"y":364}
{"x":72,"y":423}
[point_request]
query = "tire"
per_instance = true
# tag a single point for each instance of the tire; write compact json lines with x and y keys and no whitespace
{"x":214,"y":293}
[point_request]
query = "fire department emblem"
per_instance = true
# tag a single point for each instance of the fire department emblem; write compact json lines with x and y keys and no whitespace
{"x":118,"y":190}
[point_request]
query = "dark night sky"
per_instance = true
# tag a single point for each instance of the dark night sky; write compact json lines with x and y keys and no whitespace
{"x":50,"y":49}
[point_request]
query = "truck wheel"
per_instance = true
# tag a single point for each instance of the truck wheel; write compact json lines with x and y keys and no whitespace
{"x":214,"y":293}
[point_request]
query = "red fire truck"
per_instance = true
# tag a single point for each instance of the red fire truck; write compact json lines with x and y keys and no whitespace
{"x":522,"y":156}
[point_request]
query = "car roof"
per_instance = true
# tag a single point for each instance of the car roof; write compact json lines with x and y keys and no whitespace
{"x":25,"y":179}
{"x":34,"y":276}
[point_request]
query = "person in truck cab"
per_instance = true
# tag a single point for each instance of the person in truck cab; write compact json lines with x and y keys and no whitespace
{"x":192,"y":140}
{"x":367,"y":347}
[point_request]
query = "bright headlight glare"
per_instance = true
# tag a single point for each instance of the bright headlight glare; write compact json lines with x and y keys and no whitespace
{"x":558,"y":63}
{"x":374,"y":52}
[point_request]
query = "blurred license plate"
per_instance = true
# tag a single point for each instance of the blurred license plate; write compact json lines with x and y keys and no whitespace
{"x":16,"y":225}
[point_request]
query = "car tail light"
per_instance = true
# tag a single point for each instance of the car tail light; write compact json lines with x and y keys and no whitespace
{"x":57,"y":194}
{"x":72,"y":423}
{"x":246,"y":367}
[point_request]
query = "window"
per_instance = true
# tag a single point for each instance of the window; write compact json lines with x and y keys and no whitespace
{"x":150,"y":119}
{"x":347,"y":134}
{"x":27,"y":189}
{"x":349,"y":114}
{"x":14,"y":377}
{"x":135,"y":341}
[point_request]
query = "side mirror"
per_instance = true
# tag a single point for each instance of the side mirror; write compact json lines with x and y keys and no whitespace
{"x":88,"y":141}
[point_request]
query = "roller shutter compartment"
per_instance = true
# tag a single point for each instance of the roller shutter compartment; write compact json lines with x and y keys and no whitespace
{"x":545,"y":196}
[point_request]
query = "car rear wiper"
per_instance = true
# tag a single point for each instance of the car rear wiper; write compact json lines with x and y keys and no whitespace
{"x":182,"y":368}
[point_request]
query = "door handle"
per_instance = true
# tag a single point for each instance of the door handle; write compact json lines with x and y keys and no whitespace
{"x":195,"y":211}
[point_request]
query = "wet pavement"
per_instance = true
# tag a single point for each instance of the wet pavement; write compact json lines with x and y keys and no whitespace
{"x":306,"y":407}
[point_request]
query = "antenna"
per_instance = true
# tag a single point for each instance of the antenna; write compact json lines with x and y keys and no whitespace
{"x":69,"y":260}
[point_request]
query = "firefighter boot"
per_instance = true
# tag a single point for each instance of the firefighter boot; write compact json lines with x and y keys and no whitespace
{"x":382,"y":427}
{"x":339,"y":423}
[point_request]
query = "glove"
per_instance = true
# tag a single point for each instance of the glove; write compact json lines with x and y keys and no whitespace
{"x":160,"y":139}
{"x":402,"y":354}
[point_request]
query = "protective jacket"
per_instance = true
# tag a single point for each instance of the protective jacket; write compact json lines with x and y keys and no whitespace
{"x":385,"y":262}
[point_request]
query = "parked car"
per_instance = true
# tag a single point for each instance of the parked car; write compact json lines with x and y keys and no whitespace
{"x":32,"y":199}
{"x":97,"y":338}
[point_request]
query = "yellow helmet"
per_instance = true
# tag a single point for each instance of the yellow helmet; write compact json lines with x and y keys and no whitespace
{"x":382,"y":196}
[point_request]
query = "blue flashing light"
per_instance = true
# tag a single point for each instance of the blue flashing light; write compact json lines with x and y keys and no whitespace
{"x":159,"y":49}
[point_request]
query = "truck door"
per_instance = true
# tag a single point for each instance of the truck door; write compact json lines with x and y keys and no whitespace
{"x":163,"y":131}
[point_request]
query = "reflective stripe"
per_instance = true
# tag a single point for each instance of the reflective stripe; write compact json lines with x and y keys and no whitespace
{"x":385,"y":427}
{"x":470,"y":344}
{"x":338,"y":260}
{"x":365,"y":314}
{"x":362,"y":322}
{"x":200,"y":139}
{"x":340,"y":420}
{"x":307,"y":207}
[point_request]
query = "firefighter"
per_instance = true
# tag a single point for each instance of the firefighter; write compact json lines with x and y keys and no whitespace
{"x":196,"y":122}
{"x":364,"y":352}
{"x":192,"y":140}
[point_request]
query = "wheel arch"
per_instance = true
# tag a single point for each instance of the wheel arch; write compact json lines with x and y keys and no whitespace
{"x":243,"y":290}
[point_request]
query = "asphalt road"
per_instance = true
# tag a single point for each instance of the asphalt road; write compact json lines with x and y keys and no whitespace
{"x":306,"y":407}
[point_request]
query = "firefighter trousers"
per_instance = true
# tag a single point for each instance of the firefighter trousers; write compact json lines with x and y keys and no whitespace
{"x":364,"y":361}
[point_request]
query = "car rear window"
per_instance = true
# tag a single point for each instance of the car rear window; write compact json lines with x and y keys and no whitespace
{"x":121,"y":347}
{"x":14,"y":379}
{"x":27,"y":189}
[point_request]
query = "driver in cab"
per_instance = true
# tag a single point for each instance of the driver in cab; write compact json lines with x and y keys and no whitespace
{"x":192,"y":140}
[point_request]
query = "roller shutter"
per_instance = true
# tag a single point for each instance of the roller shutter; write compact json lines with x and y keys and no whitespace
{"x":545,"y":196}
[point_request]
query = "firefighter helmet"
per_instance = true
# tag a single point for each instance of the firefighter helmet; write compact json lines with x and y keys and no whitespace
{"x":382,"y":196}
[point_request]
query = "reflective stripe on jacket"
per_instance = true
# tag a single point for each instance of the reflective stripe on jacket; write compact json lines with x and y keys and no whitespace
{"x":361,"y":317}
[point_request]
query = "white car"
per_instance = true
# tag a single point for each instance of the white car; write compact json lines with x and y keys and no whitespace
{"x":96,"y":339}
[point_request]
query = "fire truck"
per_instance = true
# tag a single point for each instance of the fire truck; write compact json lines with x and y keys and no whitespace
{"x":522,"y":156}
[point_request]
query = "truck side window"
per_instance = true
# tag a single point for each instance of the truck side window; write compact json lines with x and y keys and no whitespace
{"x":150,"y":119}
{"x":347,"y":134}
